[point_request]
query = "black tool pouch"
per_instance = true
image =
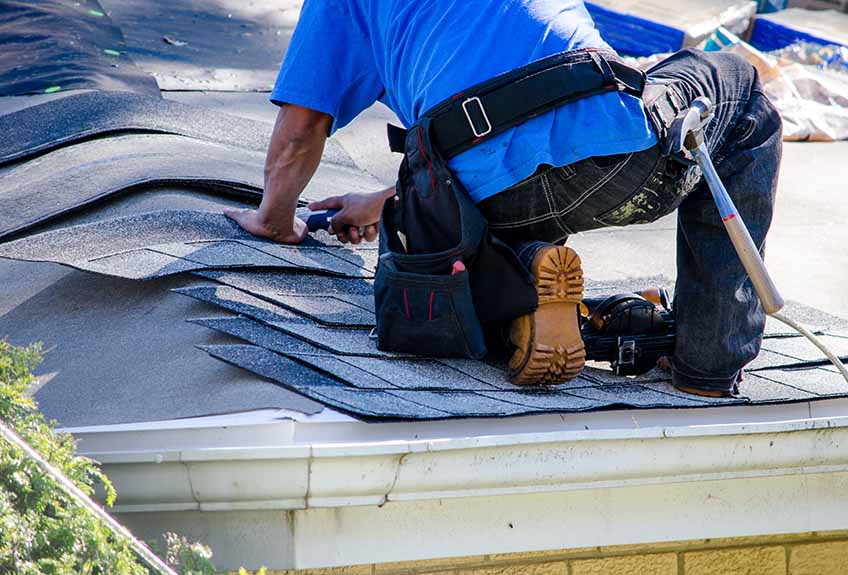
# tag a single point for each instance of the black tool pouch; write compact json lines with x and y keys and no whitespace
{"x":442,"y":279}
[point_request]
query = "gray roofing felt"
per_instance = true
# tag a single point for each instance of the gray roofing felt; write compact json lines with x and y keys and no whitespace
{"x":153,"y":244}
{"x":34,"y":49}
{"x":56,"y":123}
{"x":119,"y":351}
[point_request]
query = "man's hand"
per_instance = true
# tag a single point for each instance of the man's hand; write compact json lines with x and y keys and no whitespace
{"x":358,"y":217}
{"x":256,"y":223}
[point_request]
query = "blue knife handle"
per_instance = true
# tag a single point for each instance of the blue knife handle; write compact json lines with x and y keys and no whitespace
{"x":320,"y":220}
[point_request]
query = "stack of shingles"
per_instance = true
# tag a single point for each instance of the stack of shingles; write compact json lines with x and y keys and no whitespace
{"x":306,"y":317}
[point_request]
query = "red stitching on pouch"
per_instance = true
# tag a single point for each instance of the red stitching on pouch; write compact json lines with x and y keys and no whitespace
{"x":429,"y":165}
{"x":432,"y":297}
{"x":406,"y":304}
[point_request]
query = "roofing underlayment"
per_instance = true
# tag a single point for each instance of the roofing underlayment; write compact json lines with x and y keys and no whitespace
{"x":81,"y":49}
{"x":128,"y":189}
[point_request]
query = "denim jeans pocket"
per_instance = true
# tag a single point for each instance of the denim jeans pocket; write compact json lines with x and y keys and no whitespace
{"x":655,"y":198}
{"x":525,"y":211}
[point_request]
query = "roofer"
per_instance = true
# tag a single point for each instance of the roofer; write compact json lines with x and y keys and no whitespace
{"x":525,"y":107}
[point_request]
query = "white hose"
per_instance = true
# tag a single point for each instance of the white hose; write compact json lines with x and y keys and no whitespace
{"x":806,"y":333}
{"x":86,"y":502}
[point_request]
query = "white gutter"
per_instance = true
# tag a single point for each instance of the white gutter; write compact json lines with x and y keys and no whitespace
{"x":315,"y":475}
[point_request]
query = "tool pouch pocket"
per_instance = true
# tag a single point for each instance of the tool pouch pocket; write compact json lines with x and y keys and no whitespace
{"x":442,"y":279}
{"x":426,"y":314}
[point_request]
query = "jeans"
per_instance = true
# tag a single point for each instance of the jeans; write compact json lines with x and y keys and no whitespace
{"x":719,"y":318}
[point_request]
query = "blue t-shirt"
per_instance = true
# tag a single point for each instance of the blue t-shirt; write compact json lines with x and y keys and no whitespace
{"x":412,"y":54}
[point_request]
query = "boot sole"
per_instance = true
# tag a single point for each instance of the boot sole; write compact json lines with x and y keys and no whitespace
{"x":550,"y":347}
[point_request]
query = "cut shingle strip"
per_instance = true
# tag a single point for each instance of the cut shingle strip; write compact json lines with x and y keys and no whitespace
{"x":635,"y":395}
{"x":328,"y":301}
{"x":760,"y":389}
{"x":343,"y":341}
{"x":798,"y":349}
{"x":271,"y":365}
{"x":221,"y":253}
{"x":242,"y":303}
{"x":820,"y":381}
{"x":38,"y":129}
{"x":147,"y":245}
{"x":256,"y":333}
{"x":266,"y":283}
{"x":303,"y":380}
{"x":136,"y":265}
{"x":69,"y":179}
{"x":327,"y":310}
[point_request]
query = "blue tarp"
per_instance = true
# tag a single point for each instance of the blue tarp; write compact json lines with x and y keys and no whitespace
{"x":634,"y":36}
{"x":771,"y":35}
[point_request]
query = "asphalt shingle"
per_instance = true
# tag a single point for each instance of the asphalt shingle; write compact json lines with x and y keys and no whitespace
{"x":38,"y":129}
{"x":154,"y":244}
{"x":287,"y":314}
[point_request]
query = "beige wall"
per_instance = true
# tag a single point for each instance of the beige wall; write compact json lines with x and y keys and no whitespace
{"x":797,"y":554}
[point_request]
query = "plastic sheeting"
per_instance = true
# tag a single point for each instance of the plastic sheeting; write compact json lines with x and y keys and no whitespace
{"x":812,"y":101}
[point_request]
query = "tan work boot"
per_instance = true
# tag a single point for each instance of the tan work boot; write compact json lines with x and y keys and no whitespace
{"x":549,"y":346}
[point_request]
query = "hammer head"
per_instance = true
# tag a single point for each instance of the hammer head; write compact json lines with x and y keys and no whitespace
{"x":687,"y":130}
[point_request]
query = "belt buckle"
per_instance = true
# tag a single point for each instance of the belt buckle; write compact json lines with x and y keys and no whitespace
{"x":488,"y":129}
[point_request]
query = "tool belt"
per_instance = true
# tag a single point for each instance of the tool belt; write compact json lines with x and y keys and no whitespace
{"x":443,"y":281}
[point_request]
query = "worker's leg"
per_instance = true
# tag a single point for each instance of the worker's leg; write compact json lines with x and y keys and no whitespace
{"x":719,"y":318}
{"x":543,"y":210}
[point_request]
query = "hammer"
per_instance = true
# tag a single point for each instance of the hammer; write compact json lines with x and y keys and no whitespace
{"x":686,"y":134}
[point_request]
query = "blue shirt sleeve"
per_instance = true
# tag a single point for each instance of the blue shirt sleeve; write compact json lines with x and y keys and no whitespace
{"x":329,"y":65}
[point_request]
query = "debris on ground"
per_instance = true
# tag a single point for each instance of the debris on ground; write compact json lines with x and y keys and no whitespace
{"x":812,"y":100}
{"x":174,"y":41}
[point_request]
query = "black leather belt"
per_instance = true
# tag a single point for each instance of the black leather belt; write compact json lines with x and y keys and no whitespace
{"x":494,"y":106}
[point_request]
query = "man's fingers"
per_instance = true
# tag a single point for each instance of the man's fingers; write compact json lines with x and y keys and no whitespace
{"x":353,"y":233}
{"x":331,"y":203}
{"x":371,"y":233}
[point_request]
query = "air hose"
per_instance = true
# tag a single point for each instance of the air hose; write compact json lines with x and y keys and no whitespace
{"x":816,"y":341}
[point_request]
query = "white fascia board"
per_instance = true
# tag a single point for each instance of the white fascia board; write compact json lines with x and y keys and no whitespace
{"x":602,"y":516}
{"x":353,"y":474}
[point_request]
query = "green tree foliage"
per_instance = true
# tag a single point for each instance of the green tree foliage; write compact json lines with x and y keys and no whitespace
{"x":43,"y":531}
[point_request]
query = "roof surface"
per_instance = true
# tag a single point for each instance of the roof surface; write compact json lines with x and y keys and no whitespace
{"x":134,"y":207}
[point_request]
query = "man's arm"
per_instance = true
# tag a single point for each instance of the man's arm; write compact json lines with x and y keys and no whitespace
{"x":297,"y":144}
